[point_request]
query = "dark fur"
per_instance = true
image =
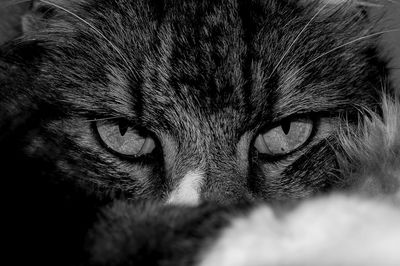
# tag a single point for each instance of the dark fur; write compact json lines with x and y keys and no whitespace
{"x":198,"y":75}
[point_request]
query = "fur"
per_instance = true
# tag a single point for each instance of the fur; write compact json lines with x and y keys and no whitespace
{"x":202,"y":79}
{"x":372,"y":150}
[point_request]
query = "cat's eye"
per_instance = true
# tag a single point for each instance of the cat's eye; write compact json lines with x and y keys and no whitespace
{"x":284,"y":138}
{"x":120,"y":137}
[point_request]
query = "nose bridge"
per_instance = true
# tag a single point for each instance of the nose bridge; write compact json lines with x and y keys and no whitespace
{"x":221,"y":156}
{"x":187,"y":169}
{"x":226,"y":177}
{"x":208,"y":167}
{"x":206,"y":148}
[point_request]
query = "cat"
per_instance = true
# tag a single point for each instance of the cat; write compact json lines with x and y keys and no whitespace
{"x":163,"y":106}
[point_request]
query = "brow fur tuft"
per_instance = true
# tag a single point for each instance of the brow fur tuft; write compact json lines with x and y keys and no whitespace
{"x":371,"y":155}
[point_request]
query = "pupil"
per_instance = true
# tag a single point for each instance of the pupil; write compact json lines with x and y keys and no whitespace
{"x":286,"y":127}
{"x":123,"y":127}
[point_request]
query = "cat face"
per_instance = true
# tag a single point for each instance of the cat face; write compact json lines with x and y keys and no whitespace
{"x":186,"y":101}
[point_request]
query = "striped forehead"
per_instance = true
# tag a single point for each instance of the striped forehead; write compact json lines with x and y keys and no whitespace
{"x":215,"y":55}
{"x":199,"y":55}
{"x":203,"y":55}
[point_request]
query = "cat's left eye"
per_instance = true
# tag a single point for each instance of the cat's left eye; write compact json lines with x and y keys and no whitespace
{"x":284,"y":138}
{"x":124,"y":139}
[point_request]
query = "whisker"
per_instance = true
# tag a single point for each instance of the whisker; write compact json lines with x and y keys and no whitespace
{"x":103,"y":119}
{"x":341,"y":46}
{"x":351,"y":42}
{"x":297,"y":37}
{"x":93,"y":28}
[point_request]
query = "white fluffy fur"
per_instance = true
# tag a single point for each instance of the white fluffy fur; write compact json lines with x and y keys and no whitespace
{"x":337,"y":230}
{"x":343,"y":229}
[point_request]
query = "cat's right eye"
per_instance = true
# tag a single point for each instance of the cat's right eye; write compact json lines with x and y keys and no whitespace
{"x":285,"y":137}
{"x":124,"y":139}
